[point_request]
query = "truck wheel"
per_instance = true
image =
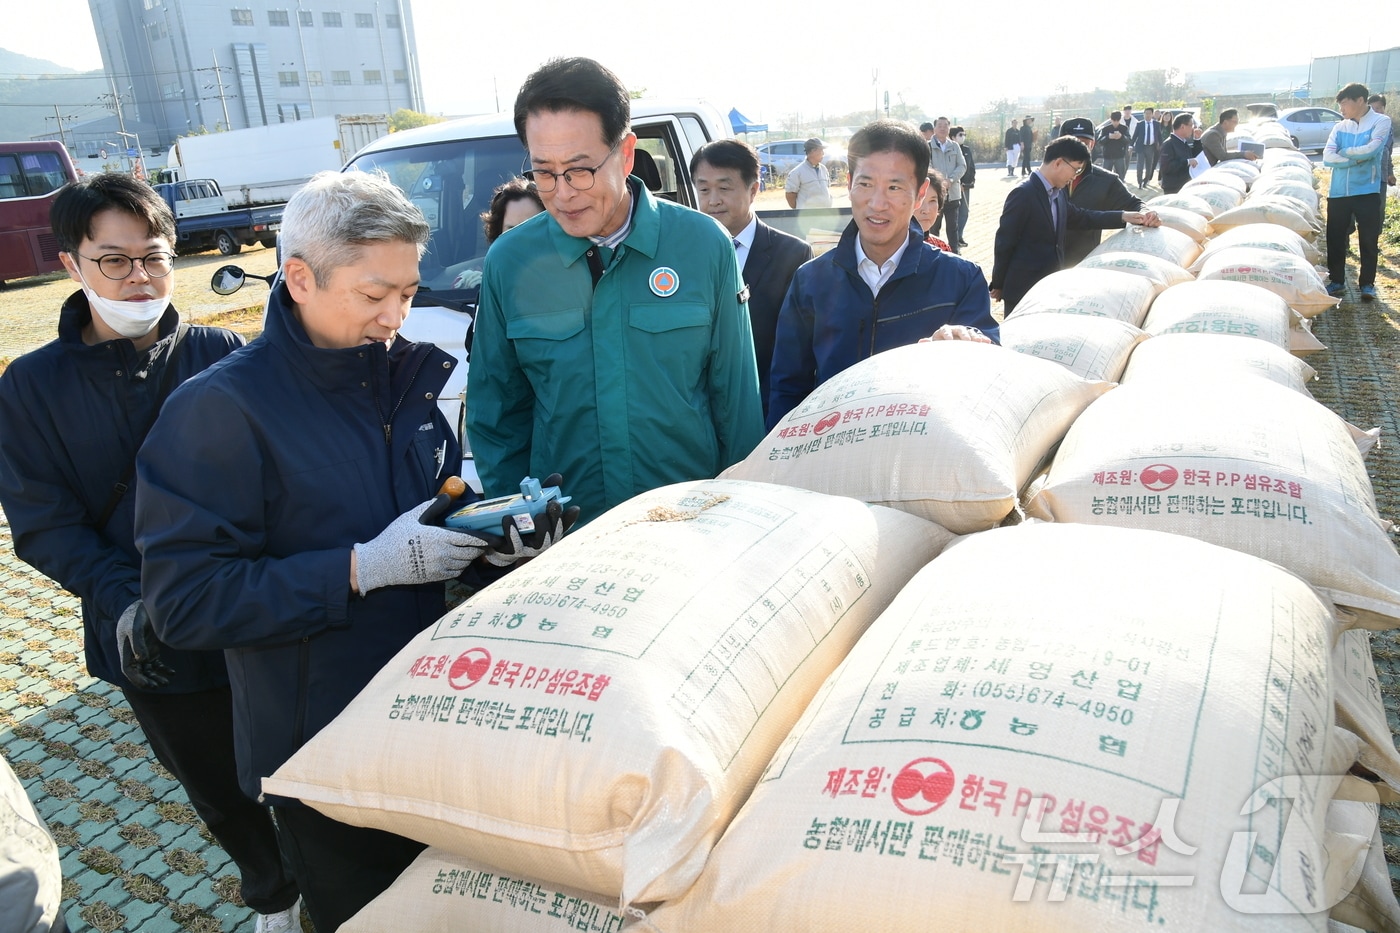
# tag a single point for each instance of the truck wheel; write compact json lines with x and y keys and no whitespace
{"x":228,"y":246}
{"x":269,"y":242}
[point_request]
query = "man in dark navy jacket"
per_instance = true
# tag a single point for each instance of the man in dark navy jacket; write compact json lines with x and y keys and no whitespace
{"x":725,"y":173}
{"x":1030,"y":240}
{"x":279,"y":501}
{"x":882,"y":286}
{"x":72,"y":415}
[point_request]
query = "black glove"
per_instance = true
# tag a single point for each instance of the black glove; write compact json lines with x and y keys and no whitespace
{"x":139,"y":649}
{"x":512,"y":545}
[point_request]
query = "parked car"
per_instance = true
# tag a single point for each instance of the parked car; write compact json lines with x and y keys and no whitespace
{"x":1309,"y":127}
{"x":776,"y":159}
{"x":1265,"y":110}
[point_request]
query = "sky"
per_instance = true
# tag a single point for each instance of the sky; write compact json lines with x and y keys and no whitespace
{"x":776,"y":64}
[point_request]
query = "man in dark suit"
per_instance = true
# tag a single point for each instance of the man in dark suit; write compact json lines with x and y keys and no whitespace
{"x":1147,"y":143}
{"x":1094,"y":189}
{"x":1030,"y":241}
{"x":725,"y":173}
{"x":1180,"y":153}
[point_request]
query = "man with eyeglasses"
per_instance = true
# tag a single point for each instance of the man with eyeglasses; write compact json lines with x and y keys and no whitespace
{"x":1030,"y":240}
{"x":72,"y":415}
{"x":612,"y":337}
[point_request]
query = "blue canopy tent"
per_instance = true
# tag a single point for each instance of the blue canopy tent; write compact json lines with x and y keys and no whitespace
{"x":741,"y":123}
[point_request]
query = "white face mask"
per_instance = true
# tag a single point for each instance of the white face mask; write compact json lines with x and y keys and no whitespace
{"x":131,"y":319}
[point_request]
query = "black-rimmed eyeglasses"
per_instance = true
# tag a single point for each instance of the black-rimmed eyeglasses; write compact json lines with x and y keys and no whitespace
{"x":117,"y":266}
{"x":580,"y":179}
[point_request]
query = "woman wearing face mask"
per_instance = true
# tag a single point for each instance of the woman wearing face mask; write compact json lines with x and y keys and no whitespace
{"x":72,"y":415}
{"x":927,"y":213}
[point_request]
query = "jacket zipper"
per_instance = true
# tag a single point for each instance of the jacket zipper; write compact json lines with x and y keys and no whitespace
{"x":388,"y":424}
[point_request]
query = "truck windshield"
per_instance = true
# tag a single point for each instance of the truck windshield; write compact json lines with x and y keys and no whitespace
{"x":451,"y":183}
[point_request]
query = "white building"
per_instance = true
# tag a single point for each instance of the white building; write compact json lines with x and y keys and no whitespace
{"x":182,"y":64}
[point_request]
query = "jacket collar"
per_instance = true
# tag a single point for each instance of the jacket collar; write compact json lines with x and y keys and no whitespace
{"x":645,"y":236}
{"x":76,"y":315}
{"x":844,"y":255}
{"x":344,"y":368}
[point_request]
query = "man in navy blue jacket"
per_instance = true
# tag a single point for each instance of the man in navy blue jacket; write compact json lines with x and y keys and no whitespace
{"x":882,"y":286}
{"x":1030,"y":240}
{"x":72,"y":415}
{"x":279,"y":499}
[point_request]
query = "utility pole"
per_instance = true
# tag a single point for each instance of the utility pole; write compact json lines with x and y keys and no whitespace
{"x":59,"y":117}
{"x":219,"y":83}
{"x":121,"y":119}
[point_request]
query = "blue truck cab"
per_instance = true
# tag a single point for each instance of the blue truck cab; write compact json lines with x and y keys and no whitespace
{"x":203,"y":220}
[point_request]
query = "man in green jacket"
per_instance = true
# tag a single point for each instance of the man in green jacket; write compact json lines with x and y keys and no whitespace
{"x":612,"y":341}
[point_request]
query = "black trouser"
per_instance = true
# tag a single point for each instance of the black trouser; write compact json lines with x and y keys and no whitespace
{"x":1025,"y":158}
{"x":340,"y":867}
{"x":1117,"y":164}
{"x":192,"y":736}
{"x":1147,"y":162}
{"x":951,"y":210}
{"x":1365,"y":211}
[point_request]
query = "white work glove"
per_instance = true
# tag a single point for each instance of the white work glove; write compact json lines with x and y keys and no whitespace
{"x":408,"y":552}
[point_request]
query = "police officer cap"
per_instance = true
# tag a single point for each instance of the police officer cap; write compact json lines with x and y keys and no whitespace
{"x":813,"y":143}
{"x":1077,"y":126}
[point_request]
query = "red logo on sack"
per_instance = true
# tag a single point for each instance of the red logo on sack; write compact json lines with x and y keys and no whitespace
{"x":1159,"y":477}
{"x":923,"y":786}
{"x":469,"y":668}
{"x":827,"y":423}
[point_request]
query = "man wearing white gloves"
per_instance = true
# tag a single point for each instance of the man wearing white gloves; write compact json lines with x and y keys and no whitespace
{"x":280,"y":507}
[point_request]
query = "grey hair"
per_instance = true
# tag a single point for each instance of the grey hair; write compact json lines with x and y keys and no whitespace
{"x":336,"y":213}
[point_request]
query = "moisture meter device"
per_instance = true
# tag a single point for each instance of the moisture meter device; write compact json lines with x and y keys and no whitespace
{"x":526,"y":507}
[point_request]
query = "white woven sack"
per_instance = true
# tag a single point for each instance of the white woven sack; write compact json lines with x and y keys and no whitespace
{"x":1188,"y":222}
{"x":1162,"y":242}
{"x":595,"y":718}
{"x":1252,"y":466}
{"x":1197,"y":357}
{"x":1269,"y":209}
{"x":1262,"y":236}
{"x":1291,"y":278}
{"x":1090,"y":347}
{"x":1162,"y":273}
{"x":989,"y":754}
{"x":1185,"y":201}
{"x":1215,"y":176}
{"x":446,"y":893}
{"x":1274,"y":158}
{"x":1241,"y":167}
{"x":1221,"y":197}
{"x":1370,"y":904}
{"x":1180,"y":355}
{"x":1094,"y":292}
{"x":1360,"y":708}
{"x":1298,"y":172}
{"x":1288,"y":187}
{"x":948,"y":430}
{"x":1222,"y":307}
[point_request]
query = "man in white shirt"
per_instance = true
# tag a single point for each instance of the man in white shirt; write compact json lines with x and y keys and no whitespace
{"x":809,"y":185}
{"x":725,"y":173}
{"x":882,"y":286}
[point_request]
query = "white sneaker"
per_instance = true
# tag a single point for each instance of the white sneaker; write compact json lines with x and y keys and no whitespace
{"x":284,"y":921}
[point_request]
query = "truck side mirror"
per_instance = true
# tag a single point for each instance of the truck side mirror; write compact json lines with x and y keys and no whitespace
{"x":227,"y":280}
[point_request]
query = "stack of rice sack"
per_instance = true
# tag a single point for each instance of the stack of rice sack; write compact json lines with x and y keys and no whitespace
{"x":947,"y":430}
{"x":1136,"y":734}
{"x":586,"y":727}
